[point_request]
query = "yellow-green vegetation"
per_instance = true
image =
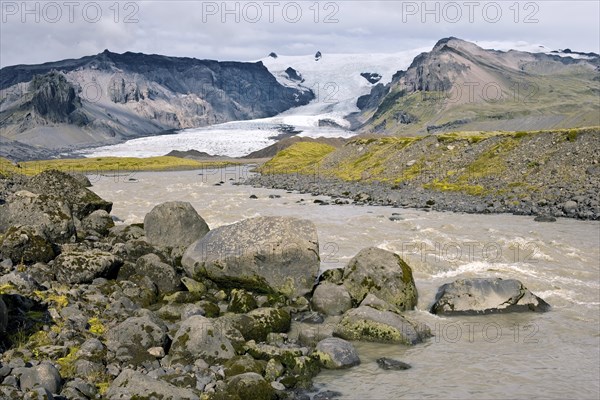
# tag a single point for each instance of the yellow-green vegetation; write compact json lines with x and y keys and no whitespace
{"x":6,"y":288}
{"x":476,"y":163}
{"x":96,"y":326}
{"x":301,"y":157}
{"x":67,"y":363}
{"x":57,"y":300}
{"x":108,"y":164}
{"x":445,"y":186}
{"x":372,"y":158}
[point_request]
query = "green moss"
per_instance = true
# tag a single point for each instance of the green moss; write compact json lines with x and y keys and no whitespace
{"x":113,"y":164}
{"x":301,"y":157}
{"x":67,"y":363}
{"x":96,"y":326}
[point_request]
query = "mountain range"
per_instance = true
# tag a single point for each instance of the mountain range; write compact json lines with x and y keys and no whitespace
{"x":108,"y":98}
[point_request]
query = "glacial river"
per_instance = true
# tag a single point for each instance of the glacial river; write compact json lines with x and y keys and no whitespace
{"x":552,"y":355}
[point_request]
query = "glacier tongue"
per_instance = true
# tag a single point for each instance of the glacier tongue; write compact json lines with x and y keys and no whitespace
{"x":334,"y":78}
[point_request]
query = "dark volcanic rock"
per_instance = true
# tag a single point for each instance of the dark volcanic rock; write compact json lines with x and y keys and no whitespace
{"x":486,"y":296}
{"x":371,"y":77}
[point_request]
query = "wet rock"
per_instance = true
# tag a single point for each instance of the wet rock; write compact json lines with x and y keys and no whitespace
{"x":174,"y":224}
{"x":383,"y":274}
{"x":44,"y":375}
{"x":391,"y":364}
{"x":131,"y":339}
{"x":369,"y":324}
{"x":331,"y":299}
{"x":336,"y":353}
{"x":268,"y":254}
{"x":198,"y":337}
{"x":132,"y":384}
{"x":486,"y":296}
{"x":85,"y":266}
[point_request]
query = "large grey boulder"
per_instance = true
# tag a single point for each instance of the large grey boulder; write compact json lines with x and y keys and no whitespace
{"x":198,"y":337}
{"x":44,"y":375}
{"x":131,"y":339}
{"x":48,"y":212}
{"x":174,"y":224}
{"x":27,"y":244}
{"x":85,"y":266}
{"x":331,"y":299}
{"x":486,"y":296}
{"x":383,"y":274}
{"x":71,"y":191}
{"x":336,"y":353}
{"x":132,"y":384}
{"x":371,"y":325}
{"x":268,"y":254}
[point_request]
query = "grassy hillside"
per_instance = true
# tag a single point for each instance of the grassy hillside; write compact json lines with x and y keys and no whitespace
{"x":105,"y":164}
{"x":477,"y":163}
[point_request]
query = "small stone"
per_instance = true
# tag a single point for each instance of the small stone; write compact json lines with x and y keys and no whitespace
{"x":391,"y":364}
{"x":157,"y":352}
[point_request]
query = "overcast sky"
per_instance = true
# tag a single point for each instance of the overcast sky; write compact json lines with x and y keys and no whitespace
{"x":48,"y":31}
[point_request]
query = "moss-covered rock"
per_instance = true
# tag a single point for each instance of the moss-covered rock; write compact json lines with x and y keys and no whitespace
{"x":368,"y":324}
{"x":249,"y":386}
{"x":85,"y":266}
{"x":27,"y":244}
{"x":241,"y":301}
{"x":242,"y":364}
{"x":383,"y":274}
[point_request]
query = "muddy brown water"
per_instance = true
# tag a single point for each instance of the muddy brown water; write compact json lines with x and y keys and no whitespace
{"x":528,"y":355}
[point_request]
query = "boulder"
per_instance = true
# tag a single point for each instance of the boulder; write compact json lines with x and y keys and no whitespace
{"x":131,"y":339}
{"x":163,"y":275}
{"x":266,"y":320}
{"x":383,"y":274}
{"x":198,"y":337}
{"x":99,"y":221}
{"x":267,"y":254}
{"x":249,"y":385}
{"x":331,"y":299}
{"x":26,"y":244}
{"x":85,"y":266}
{"x":486,"y":296}
{"x":368,"y":324}
{"x":70,"y":190}
{"x":174,"y":224}
{"x":336,"y":353}
{"x":241,"y":301}
{"x":44,"y":375}
{"x":48,"y":212}
{"x":132,"y":384}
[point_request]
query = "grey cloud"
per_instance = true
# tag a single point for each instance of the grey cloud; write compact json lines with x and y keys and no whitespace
{"x":180,"y":28}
